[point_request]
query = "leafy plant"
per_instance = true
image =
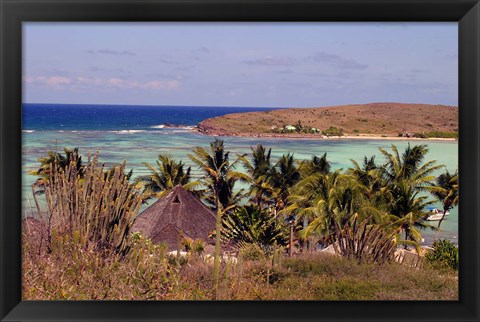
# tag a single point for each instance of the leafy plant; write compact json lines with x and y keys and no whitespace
{"x":444,"y":254}
{"x":251,"y":224}
{"x":198,"y":246}
{"x":333,"y":131}
{"x":251,"y":252}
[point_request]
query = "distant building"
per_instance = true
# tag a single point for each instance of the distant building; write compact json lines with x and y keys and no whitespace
{"x":177,"y":214}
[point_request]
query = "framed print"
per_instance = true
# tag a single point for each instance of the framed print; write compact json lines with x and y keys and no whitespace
{"x":239,"y":160}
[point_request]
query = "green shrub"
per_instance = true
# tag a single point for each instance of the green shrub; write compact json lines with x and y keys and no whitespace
{"x":443,"y":254}
{"x":198,"y":246}
{"x":440,"y":134}
{"x":333,"y":131}
{"x":420,"y":135}
{"x":437,"y":134}
{"x":251,"y":252}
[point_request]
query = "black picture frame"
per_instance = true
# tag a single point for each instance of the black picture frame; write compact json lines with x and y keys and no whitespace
{"x":14,"y":12}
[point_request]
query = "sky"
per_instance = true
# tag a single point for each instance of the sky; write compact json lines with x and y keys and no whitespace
{"x":240,"y":64}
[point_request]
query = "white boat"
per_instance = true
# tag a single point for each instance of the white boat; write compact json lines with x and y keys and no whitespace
{"x":435,"y":214}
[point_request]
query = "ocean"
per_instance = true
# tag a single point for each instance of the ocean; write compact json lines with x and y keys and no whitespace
{"x":137,"y":134}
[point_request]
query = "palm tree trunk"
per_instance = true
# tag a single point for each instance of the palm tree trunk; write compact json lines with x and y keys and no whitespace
{"x":405,"y":246}
{"x":440,"y":222}
{"x":216,"y":261}
{"x":443,"y":217}
{"x":291,"y":240}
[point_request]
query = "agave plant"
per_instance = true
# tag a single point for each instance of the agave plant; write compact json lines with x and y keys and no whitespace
{"x":363,"y":241}
{"x":99,"y":208}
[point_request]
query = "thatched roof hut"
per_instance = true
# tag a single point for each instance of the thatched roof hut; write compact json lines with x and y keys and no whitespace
{"x":177,"y":213}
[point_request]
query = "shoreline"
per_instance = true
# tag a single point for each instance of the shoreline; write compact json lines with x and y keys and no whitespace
{"x":199,"y":129}
{"x":373,"y":121}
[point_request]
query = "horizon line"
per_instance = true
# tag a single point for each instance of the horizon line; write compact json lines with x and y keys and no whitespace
{"x":269,"y":107}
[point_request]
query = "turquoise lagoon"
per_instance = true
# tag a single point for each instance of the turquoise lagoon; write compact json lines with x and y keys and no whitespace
{"x":138,"y":146}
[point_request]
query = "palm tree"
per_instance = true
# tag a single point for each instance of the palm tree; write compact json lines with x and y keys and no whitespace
{"x":405,"y":176}
{"x":334,"y":203}
{"x":252,"y":224}
{"x":220,"y":174}
{"x":306,"y":200}
{"x":56,"y":161}
{"x":167,"y":174}
{"x":257,"y":167}
{"x":220,"y":178}
{"x":315,"y":165}
{"x":445,"y":190}
{"x":368,"y":175}
{"x":283,"y":176}
{"x":408,"y":211}
{"x":409,"y":166}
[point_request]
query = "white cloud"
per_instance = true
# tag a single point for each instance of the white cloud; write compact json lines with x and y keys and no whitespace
{"x":58,"y":80}
{"x":171,"y":84}
{"x":62,"y":82}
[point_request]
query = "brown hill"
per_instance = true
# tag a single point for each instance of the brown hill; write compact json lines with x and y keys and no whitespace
{"x":377,"y":119}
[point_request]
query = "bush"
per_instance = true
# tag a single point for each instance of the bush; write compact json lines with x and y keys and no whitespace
{"x":198,"y":246}
{"x":440,"y":134}
{"x":420,"y":135}
{"x":437,"y":134}
{"x":333,"y":131}
{"x":251,"y":252}
{"x":443,"y":254}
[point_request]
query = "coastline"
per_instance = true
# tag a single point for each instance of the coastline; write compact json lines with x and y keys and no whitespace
{"x":373,"y":121}
{"x":211,"y":131}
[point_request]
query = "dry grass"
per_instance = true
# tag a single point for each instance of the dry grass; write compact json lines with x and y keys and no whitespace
{"x":377,"y":119}
{"x":71,"y":272}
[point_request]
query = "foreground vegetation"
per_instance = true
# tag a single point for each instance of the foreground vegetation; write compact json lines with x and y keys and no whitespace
{"x":147,"y":273}
{"x":290,"y":207}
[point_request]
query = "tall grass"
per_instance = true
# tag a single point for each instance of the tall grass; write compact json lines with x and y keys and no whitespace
{"x":70,"y":272}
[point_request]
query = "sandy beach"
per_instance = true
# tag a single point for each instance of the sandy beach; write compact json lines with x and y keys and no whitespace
{"x":210,"y":131}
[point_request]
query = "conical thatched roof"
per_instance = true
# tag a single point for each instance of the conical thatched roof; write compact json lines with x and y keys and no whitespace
{"x":179,"y":211}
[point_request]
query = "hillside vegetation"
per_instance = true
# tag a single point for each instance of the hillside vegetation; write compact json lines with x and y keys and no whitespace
{"x":380,"y":119}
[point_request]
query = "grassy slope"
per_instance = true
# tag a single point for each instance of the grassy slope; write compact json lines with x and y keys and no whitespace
{"x":148,"y":277}
{"x":376,"y":118}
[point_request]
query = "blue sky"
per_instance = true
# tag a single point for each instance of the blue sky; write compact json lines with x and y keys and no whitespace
{"x":240,"y":64}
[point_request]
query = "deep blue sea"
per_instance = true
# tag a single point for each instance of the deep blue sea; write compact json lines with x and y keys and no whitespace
{"x":41,"y":117}
{"x":136,"y":134}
